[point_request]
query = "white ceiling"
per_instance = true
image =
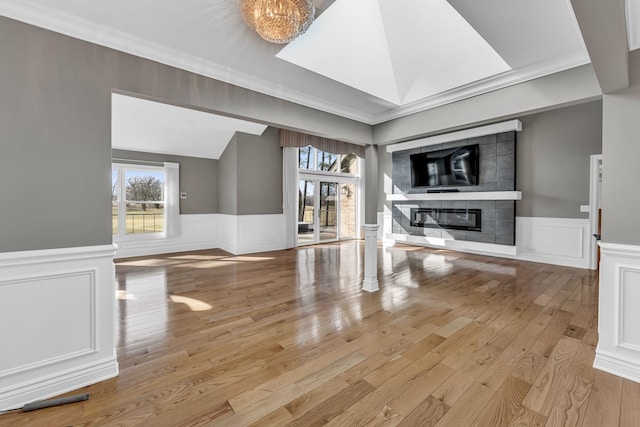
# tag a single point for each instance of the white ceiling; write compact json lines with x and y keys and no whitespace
{"x":368,"y":60}
{"x":154,"y":127}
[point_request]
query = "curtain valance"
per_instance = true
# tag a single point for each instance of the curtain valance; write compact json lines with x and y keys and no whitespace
{"x":289,"y":138}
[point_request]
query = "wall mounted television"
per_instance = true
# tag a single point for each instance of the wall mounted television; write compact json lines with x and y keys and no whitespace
{"x":450,"y":167}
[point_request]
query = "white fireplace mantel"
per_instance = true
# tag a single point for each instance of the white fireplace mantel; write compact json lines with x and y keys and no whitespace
{"x":462,"y":195}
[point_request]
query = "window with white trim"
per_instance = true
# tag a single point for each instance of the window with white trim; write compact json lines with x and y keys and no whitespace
{"x":139,"y":201}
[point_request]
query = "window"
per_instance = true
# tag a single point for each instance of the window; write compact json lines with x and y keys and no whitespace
{"x":138,"y":200}
{"x":313,"y":159}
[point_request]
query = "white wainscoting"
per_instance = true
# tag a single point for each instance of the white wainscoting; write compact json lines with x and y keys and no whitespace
{"x":195,"y":232}
{"x":198,"y":232}
{"x":618,"y":350}
{"x":561,"y":241}
{"x":243,"y":234}
{"x":56,"y":322}
{"x":237,"y":234}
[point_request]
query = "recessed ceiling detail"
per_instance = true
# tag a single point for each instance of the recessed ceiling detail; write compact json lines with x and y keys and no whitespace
{"x":370,"y":73}
{"x":398,"y":51}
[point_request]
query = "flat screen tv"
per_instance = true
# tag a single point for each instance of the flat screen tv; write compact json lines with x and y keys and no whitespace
{"x":450,"y":167}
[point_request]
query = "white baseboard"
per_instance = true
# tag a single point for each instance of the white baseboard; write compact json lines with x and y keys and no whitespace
{"x":56,"y":322}
{"x":560,"y":241}
{"x":618,"y":350}
{"x":457,"y":245}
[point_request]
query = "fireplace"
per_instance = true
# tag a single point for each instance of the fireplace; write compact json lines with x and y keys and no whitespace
{"x":454,"y":219}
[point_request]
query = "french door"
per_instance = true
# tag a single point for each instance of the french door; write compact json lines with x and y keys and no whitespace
{"x":326,"y":211}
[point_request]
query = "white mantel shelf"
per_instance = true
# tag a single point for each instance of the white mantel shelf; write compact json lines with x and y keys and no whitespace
{"x":462,"y":195}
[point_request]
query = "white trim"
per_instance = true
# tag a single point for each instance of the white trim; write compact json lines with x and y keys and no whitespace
{"x":618,"y":350}
{"x":13,"y":259}
{"x":560,"y":241}
{"x":632,"y":24}
{"x":73,"y":26}
{"x":490,"y":84}
{"x":457,"y":245}
{"x":459,"y":195}
{"x":63,"y":338}
{"x":511,"y":125}
{"x":370,"y":281}
{"x":617,"y":365}
{"x":244,"y":234}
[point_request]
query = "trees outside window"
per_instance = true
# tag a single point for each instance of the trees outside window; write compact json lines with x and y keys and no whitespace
{"x":138,"y":200}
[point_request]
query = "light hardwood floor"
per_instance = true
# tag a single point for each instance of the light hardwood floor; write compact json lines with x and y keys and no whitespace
{"x":288,"y":339}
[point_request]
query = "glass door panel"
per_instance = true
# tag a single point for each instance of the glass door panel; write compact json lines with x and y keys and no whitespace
{"x":328,"y":214}
{"x":306,"y":214}
{"x":348,"y":215}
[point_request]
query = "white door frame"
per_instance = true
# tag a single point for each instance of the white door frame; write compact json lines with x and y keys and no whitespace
{"x":595,"y":197}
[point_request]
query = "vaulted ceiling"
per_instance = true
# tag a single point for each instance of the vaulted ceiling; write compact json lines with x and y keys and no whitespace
{"x":368,"y":60}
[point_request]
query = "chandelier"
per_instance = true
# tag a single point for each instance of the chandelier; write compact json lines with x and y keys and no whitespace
{"x":278,"y":21}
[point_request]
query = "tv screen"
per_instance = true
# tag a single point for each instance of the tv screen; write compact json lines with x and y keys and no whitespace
{"x":450,"y":167}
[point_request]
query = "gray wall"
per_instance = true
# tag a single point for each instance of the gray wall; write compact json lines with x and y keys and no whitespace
{"x":198,"y":177}
{"x":553,"y":159}
{"x":55,"y":129}
{"x":259,"y":173}
{"x":228,"y":179}
{"x":561,"y":89}
{"x":620,"y":154}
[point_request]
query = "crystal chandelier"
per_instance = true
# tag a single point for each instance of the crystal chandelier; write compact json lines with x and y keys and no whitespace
{"x":278,"y":21}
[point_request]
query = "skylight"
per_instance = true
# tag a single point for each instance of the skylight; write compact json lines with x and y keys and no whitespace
{"x":363,"y":44}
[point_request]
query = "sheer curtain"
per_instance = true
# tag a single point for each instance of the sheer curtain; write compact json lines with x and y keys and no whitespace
{"x":290,"y":195}
{"x":172,"y":199}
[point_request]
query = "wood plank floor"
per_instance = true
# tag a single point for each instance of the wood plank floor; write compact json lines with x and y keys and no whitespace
{"x":288,"y":339}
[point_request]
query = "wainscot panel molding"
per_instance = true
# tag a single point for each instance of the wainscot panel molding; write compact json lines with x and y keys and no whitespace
{"x":561,"y":241}
{"x":618,"y":350}
{"x":260,"y":233}
{"x":236,"y":234}
{"x":196,"y":232}
{"x":481,"y":248}
{"x":56,"y":321}
{"x":244,"y":234}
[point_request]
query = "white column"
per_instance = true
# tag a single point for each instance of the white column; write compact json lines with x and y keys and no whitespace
{"x":370,"y":282}
{"x":618,"y":350}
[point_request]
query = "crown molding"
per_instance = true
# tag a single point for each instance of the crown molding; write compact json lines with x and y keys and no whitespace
{"x":73,"y":26}
{"x":490,"y":84}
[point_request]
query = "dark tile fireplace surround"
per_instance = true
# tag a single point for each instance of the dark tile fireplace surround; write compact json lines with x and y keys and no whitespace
{"x":487,"y":221}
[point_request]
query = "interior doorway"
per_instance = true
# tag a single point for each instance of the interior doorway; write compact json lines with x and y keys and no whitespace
{"x":595,"y":210}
